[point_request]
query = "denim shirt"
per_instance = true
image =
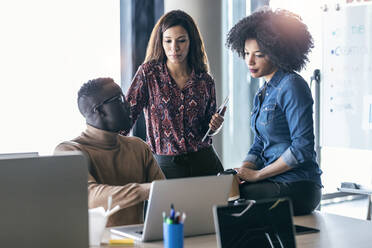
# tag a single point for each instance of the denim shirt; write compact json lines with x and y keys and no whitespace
{"x":283,"y":127}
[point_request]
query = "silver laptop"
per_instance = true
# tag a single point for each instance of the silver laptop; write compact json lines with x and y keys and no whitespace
{"x":19,"y":155}
{"x":44,"y":201}
{"x":194,"y":196}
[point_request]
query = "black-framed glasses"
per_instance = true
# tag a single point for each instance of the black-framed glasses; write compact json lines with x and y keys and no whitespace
{"x":119,"y":98}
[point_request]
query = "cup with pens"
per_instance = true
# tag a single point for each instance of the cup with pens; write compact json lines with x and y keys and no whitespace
{"x":173,"y":228}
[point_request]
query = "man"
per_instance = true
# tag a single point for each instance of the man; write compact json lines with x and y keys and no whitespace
{"x":120,"y":166}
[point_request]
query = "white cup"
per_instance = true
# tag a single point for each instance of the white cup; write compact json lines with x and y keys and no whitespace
{"x":97,"y":224}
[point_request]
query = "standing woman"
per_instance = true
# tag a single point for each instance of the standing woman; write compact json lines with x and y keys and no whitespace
{"x":281,"y":161}
{"x":178,"y":97}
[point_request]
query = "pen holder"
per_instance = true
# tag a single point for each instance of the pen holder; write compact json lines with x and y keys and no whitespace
{"x":173,"y":235}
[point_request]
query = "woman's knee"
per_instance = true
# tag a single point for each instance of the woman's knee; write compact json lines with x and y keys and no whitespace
{"x":260,"y":190}
{"x":305,"y":198}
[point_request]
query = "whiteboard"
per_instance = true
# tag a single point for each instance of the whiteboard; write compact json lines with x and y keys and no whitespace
{"x":346,"y":85}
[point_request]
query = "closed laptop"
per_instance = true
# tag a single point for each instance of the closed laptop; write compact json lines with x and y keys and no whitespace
{"x":44,"y":201}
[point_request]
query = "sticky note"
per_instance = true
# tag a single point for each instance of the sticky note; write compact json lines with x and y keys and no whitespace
{"x":121,"y":242}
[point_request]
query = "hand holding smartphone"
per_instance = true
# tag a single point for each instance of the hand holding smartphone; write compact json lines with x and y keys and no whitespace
{"x":220,"y":110}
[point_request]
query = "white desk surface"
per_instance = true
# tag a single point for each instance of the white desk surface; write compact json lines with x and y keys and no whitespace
{"x":335,"y":231}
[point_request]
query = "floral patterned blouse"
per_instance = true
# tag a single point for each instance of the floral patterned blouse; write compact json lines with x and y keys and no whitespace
{"x":176,"y":119}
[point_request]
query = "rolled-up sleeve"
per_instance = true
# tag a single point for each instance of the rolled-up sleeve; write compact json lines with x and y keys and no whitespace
{"x":254,"y":154}
{"x":297,"y":104}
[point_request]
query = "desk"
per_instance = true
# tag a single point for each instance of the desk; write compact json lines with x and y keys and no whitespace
{"x":335,"y":231}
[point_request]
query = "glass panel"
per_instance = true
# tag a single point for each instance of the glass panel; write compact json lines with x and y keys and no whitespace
{"x":48,"y":50}
{"x":237,"y":84}
{"x":338,"y":164}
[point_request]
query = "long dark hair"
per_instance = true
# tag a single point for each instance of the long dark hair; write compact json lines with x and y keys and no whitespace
{"x":196,"y":58}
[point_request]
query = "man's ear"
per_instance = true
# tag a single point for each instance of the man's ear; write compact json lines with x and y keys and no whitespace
{"x":97,"y":111}
{"x":96,"y":117}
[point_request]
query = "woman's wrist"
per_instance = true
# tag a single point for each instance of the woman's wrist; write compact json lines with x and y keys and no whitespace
{"x":259,"y":175}
{"x":249,"y":165}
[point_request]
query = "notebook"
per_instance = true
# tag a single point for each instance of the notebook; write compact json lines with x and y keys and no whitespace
{"x":255,"y":224}
{"x":44,"y":201}
{"x":195,"y":196}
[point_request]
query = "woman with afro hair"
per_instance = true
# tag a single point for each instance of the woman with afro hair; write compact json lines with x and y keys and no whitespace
{"x":281,"y":161}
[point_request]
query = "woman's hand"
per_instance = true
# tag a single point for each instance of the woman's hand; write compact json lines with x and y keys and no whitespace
{"x":217,"y":120}
{"x":248,"y":174}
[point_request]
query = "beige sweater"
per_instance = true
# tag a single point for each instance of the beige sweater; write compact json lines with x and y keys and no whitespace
{"x":119,"y":166}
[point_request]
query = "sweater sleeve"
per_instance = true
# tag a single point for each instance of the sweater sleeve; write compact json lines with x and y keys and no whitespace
{"x":153,"y":170}
{"x":124,"y":195}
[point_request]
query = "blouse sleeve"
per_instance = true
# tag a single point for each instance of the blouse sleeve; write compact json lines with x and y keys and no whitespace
{"x":211,"y":104}
{"x":137,"y":95}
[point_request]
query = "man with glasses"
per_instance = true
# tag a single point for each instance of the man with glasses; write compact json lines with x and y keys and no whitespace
{"x":121,"y":167}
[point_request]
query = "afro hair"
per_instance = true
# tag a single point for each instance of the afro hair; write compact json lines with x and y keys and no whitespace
{"x":280,"y":34}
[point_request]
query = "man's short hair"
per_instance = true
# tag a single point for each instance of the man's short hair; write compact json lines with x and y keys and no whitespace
{"x":90,"y":89}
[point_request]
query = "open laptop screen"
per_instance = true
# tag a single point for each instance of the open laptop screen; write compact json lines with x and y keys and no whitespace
{"x":195,"y":196}
{"x":266,"y":223}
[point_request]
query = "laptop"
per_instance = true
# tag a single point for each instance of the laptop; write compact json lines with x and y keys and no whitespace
{"x":18,"y":155}
{"x":44,"y":201}
{"x":195,"y":196}
{"x":255,"y":224}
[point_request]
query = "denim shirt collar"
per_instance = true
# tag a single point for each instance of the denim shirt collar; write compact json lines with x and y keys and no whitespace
{"x":275,"y":80}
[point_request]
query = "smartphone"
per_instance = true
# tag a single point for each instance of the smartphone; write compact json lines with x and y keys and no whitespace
{"x":229,"y":171}
{"x":224,"y":104}
{"x":219,"y":111}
